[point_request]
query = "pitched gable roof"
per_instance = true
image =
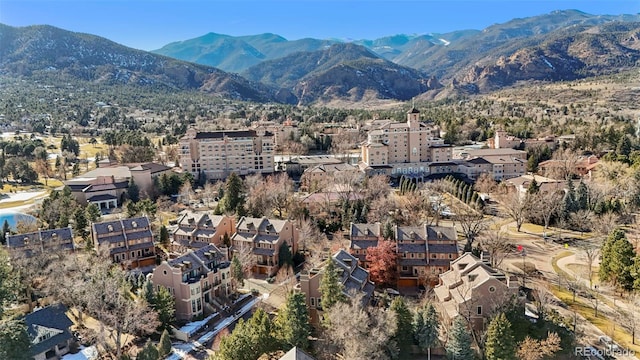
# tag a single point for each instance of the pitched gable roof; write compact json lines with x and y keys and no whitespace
{"x":296,"y":354}
{"x":48,"y":327}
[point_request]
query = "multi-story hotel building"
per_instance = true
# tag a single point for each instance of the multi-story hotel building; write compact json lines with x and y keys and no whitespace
{"x":217,"y":154}
{"x":404,"y":148}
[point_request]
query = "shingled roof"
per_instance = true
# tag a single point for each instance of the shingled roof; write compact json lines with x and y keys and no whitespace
{"x":48,"y":327}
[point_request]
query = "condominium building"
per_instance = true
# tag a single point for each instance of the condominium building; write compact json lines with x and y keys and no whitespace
{"x":423,"y":251}
{"x":199,"y":229}
{"x":404,"y":148}
{"x":195,"y":279}
{"x":473,"y":289}
{"x":40,"y":241}
{"x":263,"y":238}
{"x":216,"y":154}
{"x":130,"y":241}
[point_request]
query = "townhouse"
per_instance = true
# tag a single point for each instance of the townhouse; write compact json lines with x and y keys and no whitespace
{"x":195,"y":279}
{"x":199,"y":229}
{"x":263,"y":238}
{"x":130,"y":241}
{"x":423,"y":251}
{"x":474,"y":290}
{"x":40,"y":241}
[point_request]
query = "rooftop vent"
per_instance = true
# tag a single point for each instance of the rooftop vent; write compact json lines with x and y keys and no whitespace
{"x":110,"y":228}
{"x":134,"y":224}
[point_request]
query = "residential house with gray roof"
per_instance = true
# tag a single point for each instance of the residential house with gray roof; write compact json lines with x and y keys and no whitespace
{"x":195,"y":279}
{"x":48,"y":330}
{"x":130,"y":241}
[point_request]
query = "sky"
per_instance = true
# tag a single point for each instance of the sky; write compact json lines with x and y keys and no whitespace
{"x":151,"y":24}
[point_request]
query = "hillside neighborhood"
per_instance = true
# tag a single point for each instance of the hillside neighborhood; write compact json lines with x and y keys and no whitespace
{"x":243,"y":230}
{"x":466,"y":195}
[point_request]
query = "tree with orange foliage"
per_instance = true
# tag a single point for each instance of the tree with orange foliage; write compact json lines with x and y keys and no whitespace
{"x":383,"y":263}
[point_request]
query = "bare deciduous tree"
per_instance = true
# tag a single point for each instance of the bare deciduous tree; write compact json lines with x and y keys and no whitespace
{"x":515,"y":206}
{"x":363,"y":335}
{"x":485,"y":183}
{"x":531,"y":349}
{"x":471,"y":221}
{"x":591,"y":253}
{"x":497,"y":244}
{"x":545,"y":205}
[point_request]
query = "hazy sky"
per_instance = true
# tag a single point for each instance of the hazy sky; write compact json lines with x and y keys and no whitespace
{"x":150,"y":24}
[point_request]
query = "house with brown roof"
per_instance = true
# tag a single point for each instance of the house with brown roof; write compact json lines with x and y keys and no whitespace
{"x":130,"y":241}
{"x":40,"y":241}
{"x":106,"y":185}
{"x":263,"y":238}
{"x":199,"y":229}
{"x":353,"y":277}
{"x":195,"y":279}
{"x":474,"y":290}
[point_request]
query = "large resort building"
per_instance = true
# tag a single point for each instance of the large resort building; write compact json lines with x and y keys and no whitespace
{"x":404,"y":148}
{"x":216,"y":154}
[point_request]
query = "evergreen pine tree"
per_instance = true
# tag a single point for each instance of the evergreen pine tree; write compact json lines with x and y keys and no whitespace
{"x":285,"y":258}
{"x":164,"y":305}
{"x":237,"y":273}
{"x":80,"y":223}
{"x":232,"y":199}
{"x":426,"y":328}
{"x":404,"y":326}
{"x":582,"y":197}
{"x":330,"y":286}
{"x":149,"y":352}
{"x":500,"y":344}
{"x":93,"y":213}
{"x":6,"y":230}
{"x":164,"y":346}
{"x":459,"y":343}
{"x":164,"y":236}
{"x":133,"y":191}
{"x":533,"y":188}
{"x":292,"y":322}
{"x":14,"y":340}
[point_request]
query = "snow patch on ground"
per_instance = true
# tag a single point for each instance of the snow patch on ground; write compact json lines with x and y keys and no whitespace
{"x":547,"y":62}
{"x":181,"y":350}
{"x":445,"y":42}
{"x":86,"y":353}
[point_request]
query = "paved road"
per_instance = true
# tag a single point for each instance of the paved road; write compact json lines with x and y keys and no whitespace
{"x":182,"y":350}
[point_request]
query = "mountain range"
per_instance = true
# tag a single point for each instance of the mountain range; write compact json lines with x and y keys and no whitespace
{"x":561,"y":45}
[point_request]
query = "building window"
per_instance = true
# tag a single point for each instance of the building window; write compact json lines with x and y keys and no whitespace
{"x":313,"y":301}
{"x":479,"y":310}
